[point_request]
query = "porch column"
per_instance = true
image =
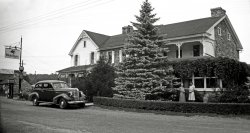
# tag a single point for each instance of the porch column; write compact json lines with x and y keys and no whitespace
{"x":120,"y":55}
{"x":179,"y":49}
{"x":204,"y":47}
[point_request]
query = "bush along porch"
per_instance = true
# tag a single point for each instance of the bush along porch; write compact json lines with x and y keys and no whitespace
{"x":219,"y":79}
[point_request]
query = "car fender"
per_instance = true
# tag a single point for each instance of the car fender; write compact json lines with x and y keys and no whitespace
{"x":56,"y":98}
{"x":31,"y":95}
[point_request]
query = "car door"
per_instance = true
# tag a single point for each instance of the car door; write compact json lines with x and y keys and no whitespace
{"x":48,"y":92}
{"x":39,"y":89}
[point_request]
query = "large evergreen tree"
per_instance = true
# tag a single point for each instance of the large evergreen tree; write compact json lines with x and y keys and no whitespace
{"x":142,"y":71}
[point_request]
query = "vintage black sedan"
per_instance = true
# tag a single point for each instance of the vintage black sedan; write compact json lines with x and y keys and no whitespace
{"x":56,"y":92}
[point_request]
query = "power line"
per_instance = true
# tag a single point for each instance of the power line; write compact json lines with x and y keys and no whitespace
{"x":43,"y":16}
{"x":51,"y":15}
{"x":11,"y":44}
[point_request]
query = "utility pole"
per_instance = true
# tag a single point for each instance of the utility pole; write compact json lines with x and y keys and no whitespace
{"x":21,"y":68}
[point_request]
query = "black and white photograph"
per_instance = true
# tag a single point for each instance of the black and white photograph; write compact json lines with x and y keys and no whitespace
{"x":124,"y":66}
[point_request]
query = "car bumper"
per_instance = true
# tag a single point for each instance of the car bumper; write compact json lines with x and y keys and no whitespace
{"x":75,"y":102}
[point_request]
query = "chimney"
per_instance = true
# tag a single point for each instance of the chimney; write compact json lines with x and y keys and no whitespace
{"x":218,"y":12}
{"x":127,"y":29}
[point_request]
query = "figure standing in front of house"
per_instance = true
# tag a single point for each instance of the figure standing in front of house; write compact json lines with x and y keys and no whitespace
{"x":191,"y":96}
{"x":182,"y":97}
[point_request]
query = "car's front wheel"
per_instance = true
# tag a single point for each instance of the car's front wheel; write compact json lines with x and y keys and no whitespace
{"x":63,"y":103}
{"x":35,"y":101}
{"x":82,"y":105}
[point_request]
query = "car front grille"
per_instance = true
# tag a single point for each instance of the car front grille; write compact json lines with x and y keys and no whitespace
{"x":76,"y":95}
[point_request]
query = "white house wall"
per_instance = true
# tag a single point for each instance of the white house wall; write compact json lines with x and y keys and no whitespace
{"x":209,"y":48}
{"x":84,"y":52}
{"x":211,"y":32}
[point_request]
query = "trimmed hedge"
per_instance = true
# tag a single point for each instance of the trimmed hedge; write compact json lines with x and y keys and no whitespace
{"x":217,"y":108}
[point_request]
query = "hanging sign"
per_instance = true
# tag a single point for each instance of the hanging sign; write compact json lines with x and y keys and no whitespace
{"x":11,"y":52}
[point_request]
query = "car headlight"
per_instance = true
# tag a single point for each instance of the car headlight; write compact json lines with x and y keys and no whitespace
{"x":83,"y":95}
{"x":71,"y":93}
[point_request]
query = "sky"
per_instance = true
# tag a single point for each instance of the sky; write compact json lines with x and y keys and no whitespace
{"x":49,"y":28}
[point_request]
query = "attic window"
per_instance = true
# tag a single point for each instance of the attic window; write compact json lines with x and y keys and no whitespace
{"x":228,"y":36}
{"x":84,"y":44}
{"x":76,"y":60}
{"x":219,"y":31}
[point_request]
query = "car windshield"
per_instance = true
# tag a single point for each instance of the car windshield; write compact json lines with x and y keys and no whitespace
{"x":60,"y":85}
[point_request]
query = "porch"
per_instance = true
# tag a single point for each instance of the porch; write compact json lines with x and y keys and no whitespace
{"x":189,"y":49}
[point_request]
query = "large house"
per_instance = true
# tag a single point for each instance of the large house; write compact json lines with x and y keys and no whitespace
{"x":211,"y":37}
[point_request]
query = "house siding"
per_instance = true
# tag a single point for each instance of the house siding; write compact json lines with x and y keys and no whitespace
{"x":225,"y":47}
{"x":84,"y":53}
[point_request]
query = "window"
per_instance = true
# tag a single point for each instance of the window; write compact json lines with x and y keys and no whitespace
{"x":38,"y":86}
{"x":117,"y":56}
{"x":63,"y":76}
{"x":228,"y":36}
{"x":110,"y":57}
{"x":47,"y":86}
{"x":84,"y":44}
{"x":60,"y":85}
{"x":76,"y":60}
{"x":219,"y":31}
{"x":177,"y":53}
{"x":212,"y":83}
{"x":196,"y":50}
{"x":92,"y":57}
{"x":80,"y":75}
{"x":165,"y":53}
{"x":199,"y":83}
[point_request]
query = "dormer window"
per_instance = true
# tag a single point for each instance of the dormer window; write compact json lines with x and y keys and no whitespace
{"x":84,"y":44}
{"x":228,"y":36}
{"x":219,"y":31}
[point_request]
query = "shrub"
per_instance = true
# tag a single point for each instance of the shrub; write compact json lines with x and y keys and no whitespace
{"x":102,"y":78}
{"x":83,"y":84}
{"x":213,"y":98}
{"x":170,"y":94}
{"x":98,"y":82}
{"x":218,"y":108}
{"x":235,"y":94}
{"x":198,"y":96}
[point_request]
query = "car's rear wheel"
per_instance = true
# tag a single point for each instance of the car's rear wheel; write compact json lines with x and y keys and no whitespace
{"x":35,"y":101}
{"x":63,"y":103}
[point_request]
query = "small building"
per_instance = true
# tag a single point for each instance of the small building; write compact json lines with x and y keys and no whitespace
{"x":212,"y":36}
{"x":9,"y":81}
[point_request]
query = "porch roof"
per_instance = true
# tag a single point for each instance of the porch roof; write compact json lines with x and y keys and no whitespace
{"x":76,"y":69}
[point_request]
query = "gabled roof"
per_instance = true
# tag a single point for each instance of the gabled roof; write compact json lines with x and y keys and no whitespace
{"x":181,"y":29}
{"x":114,"y":41}
{"x":187,"y":28}
{"x":99,"y":39}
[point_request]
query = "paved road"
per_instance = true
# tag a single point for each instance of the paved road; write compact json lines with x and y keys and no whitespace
{"x":21,"y":116}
